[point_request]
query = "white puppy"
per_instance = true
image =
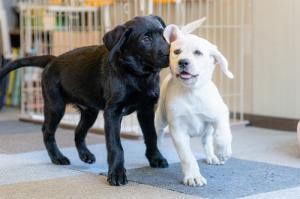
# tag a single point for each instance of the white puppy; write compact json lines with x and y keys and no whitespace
{"x":191,"y":104}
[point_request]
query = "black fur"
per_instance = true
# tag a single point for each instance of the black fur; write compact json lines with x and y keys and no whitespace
{"x":39,"y":61}
{"x":119,"y":77}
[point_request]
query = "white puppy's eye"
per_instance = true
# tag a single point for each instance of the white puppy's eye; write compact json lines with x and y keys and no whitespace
{"x":177,"y":51}
{"x":198,"y":52}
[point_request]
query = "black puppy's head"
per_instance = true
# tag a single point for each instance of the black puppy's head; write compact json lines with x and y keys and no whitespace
{"x":138,"y":45}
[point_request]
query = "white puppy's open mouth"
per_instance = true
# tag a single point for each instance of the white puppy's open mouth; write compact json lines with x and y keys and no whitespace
{"x":185,"y":75}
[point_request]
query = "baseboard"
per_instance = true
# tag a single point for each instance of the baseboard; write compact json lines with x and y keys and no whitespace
{"x":127,"y":135}
{"x":270,"y":122}
{"x":277,"y":123}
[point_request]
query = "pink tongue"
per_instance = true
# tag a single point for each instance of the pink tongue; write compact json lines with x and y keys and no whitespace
{"x":185,"y":75}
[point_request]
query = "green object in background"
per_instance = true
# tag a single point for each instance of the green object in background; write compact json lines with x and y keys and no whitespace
{"x":16,"y":96}
{"x":9,"y":94}
{"x":61,"y":21}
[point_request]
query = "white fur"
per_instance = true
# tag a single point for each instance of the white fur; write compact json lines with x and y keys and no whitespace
{"x":189,"y":28}
{"x":193,"y":106}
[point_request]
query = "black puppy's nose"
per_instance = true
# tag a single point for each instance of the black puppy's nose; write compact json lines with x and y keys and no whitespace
{"x":183,"y":63}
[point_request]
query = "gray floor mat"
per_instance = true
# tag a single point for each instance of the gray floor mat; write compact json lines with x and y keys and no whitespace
{"x":237,"y":178}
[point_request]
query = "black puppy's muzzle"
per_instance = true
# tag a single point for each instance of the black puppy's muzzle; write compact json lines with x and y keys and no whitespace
{"x":166,"y":61}
{"x":161,"y":53}
{"x":164,"y":58}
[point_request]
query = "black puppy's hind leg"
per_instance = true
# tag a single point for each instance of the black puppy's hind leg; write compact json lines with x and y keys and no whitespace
{"x":88,"y":118}
{"x":146,"y":121}
{"x":54,"y":109}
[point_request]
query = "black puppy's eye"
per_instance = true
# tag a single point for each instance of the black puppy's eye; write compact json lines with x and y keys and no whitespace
{"x":147,"y":39}
{"x":177,"y":51}
{"x":198,"y":52}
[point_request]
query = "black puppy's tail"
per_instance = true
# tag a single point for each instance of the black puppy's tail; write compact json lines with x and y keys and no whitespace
{"x":35,"y":61}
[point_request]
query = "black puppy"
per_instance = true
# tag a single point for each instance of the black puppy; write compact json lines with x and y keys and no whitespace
{"x":119,"y":77}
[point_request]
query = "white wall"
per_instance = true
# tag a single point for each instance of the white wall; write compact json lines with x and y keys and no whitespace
{"x":276,"y":58}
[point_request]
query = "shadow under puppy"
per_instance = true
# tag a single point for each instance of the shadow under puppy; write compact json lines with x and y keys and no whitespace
{"x":191,"y":104}
{"x":119,"y":77}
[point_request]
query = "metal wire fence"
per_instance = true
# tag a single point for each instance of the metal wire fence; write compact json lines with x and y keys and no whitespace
{"x":56,"y":26}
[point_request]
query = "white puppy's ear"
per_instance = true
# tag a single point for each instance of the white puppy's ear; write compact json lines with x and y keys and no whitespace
{"x":191,"y":27}
{"x":172,"y":33}
{"x":222,"y":61}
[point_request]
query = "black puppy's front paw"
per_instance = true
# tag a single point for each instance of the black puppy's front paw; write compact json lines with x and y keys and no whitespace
{"x":61,"y":160}
{"x":157,"y":160}
{"x":117,"y":177}
{"x":87,"y":157}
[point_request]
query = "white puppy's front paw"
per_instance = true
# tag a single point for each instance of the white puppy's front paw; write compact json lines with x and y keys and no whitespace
{"x":223,"y":157}
{"x":194,"y":181}
{"x":213,"y":160}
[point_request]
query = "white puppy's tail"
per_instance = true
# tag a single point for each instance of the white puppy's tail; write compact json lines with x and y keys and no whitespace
{"x":191,"y":27}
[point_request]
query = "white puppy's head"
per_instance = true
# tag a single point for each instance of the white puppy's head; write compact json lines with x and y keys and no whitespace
{"x":193,"y":59}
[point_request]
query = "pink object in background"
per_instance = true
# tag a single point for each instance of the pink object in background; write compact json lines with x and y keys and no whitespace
{"x":298,"y":132}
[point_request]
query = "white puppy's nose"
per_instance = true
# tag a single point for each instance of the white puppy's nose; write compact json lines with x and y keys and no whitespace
{"x":183,"y":63}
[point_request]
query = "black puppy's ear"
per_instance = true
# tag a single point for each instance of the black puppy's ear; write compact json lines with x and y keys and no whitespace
{"x":112,"y":37}
{"x":114,"y":41}
{"x":160,"y":20}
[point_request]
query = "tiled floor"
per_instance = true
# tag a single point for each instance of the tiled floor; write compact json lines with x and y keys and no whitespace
{"x":26,"y":172}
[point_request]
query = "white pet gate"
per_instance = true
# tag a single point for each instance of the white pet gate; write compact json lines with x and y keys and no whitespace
{"x":55,"y":26}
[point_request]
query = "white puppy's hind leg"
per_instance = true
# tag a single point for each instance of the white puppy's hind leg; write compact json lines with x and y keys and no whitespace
{"x":192,"y":176}
{"x":160,"y":124}
{"x":222,"y":139}
{"x":207,"y":142}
